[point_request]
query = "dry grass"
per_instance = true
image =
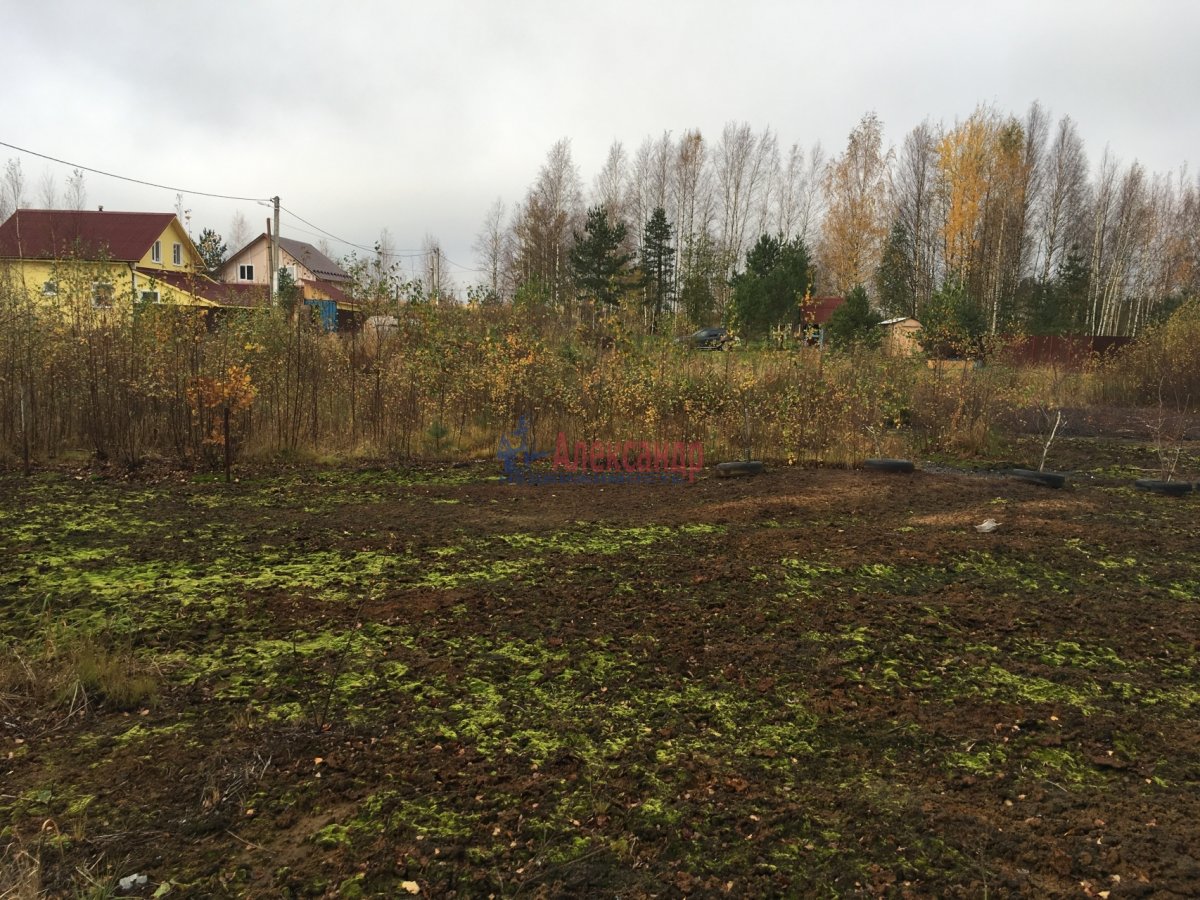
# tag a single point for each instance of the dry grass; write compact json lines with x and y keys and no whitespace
{"x":71,"y":674}
{"x":20,"y":873}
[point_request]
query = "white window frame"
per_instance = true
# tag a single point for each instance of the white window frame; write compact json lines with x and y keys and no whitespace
{"x":177,"y":254}
{"x":50,"y":288}
{"x":146,"y":294}
{"x":156,"y":252}
{"x":246,"y":272}
{"x":291,"y":270}
{"x":97,"y":287}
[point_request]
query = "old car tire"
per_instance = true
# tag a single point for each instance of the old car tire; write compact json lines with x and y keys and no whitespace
{"x":733,"y":469}
{"x":1169,"y":488}
{"x":889,"y":465}
{"x":1047,"y":479}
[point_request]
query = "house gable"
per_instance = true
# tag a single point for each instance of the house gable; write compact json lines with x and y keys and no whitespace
{"x":309,"y":262}
{"x":253,"y":255}
{"x":174,"y":250}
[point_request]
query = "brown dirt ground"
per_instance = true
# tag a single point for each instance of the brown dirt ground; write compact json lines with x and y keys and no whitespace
{"x":1088,"y":786}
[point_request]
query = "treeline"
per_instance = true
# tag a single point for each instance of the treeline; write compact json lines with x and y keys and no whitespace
{"x":993,"y":224}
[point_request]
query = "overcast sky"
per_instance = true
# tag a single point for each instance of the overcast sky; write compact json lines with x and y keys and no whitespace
{"x":416,"y":117}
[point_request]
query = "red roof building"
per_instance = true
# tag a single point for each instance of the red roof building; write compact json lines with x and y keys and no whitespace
{"x":81,"y":234}
{"x":819,"y":310}
{"x":113,"y":257}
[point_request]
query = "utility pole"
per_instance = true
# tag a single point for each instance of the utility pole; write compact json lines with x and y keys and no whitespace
{"x":437,"y":274}
{"x":270,"y":259}
{"x":275,"y":254}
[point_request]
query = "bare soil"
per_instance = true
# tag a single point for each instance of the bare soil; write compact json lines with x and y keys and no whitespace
{"x":813,"y":682}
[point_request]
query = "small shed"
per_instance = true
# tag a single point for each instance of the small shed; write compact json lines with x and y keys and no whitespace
{"x":901,"y":336}
{"x":817,"y":313}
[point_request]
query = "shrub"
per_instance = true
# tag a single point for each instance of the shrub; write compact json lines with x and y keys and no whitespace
{"x":957,"y":408}
{"x":1161,"y":368}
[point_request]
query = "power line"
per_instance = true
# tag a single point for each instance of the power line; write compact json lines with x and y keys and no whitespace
{"x":296,"y":228}
{"x":304,"y":231}
{"x":165,"y":187}
{"x":328,"y":234}
{"x":406,"y":254}
{"x":400,"y":254}
{"x":460,"y":265}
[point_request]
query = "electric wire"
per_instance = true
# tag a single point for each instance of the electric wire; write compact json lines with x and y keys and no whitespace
{"x":400,"y":254}
{"x":165,"y":187}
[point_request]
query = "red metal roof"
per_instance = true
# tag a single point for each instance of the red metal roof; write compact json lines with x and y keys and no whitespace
{"x":242,"y":295}
{"x":819,"y":310}
{"x":81,"y":234}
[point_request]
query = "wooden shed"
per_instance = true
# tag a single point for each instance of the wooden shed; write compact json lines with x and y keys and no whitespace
{"x":901,"y":336}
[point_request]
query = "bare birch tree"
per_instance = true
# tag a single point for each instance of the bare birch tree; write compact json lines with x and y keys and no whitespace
{"x":770,"y":176}
{"x":611,"y":186}
{"x":810,"y":210}
{"x":741,"y":164}
{"x":915,"y":191}
{"x":1013,"y":181}
{"x":784,"y":196}
{"x":693,"y":202}
{"x":12,"y":189}
{"x":1061,"y":206}
{"x":691,"y":185}
{"x":490,"y":247}
{"x":1103,"y":193}
{"x":1120,"y":229}
{"x":239,"y":231}
{"x":543,"y":226}
{"x":1175,"y":252}
{"x":76,"y":196}
{"x":650,"y":182}
{"x":1125,"y":294}
{"x":48,"y":190}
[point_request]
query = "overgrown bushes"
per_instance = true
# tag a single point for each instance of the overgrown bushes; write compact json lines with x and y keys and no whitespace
{"x":1161,"y":369}
{"x":446,"y":382}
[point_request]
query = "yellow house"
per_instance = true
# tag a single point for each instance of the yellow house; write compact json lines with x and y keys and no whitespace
{"x":108,"y":259}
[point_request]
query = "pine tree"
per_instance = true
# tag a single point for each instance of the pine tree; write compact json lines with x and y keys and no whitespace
{"x":854,"y":323}
{"x":702,"y":266}
{"x":769,"y":292}
{"x":212,"y":250}
{"x":952,"y":323}
{"x":894,"y":277}
{"x":1059,"y":306}
{"x":658,"y":264}
{"x":599,"y":263}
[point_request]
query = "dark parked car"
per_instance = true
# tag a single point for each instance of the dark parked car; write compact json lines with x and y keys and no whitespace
{"x":709,"y":339}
